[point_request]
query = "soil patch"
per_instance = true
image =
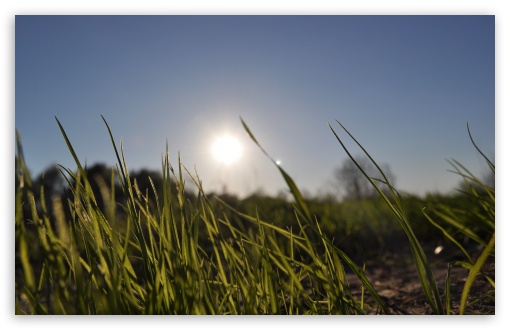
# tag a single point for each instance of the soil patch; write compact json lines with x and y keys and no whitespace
{"x":395,"y":278}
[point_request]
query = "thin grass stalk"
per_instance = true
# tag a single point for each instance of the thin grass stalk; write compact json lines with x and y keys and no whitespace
{"x":424,"y":271}
{"x":20,"y":228}
{"x":447,"y":235}
{"x":447,"y":290}
{"x":491,"y":165}
{"x":290,"y":183}
{"x":474,"y":272}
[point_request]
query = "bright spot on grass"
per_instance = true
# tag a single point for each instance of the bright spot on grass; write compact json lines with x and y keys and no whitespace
{"x":227,"y":149}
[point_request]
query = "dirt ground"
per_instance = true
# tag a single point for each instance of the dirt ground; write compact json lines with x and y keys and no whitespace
{"x":395,"y":279}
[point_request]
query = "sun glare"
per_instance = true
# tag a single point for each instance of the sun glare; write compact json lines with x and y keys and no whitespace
{"x":227,"y":149}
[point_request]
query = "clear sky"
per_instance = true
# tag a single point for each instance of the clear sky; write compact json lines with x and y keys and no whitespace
{"x":405,"y":87}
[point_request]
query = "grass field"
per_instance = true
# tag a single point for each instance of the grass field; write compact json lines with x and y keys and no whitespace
{"x":118,"y":244}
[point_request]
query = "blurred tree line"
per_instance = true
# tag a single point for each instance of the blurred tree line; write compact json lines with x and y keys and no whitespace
{"x":360,"y":222}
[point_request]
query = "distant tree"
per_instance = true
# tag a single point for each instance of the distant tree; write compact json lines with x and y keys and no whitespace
{"x":48,"y":184}
{"x":354,"y":185}
{"x":143,"y":179}
{"x":52,"y":180}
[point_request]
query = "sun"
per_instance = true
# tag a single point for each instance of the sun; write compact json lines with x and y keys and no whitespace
{"x":227,"y":149}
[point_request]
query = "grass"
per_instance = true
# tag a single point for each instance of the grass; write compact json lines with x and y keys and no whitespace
{"x":162,"y":251}
{"x":483,"y":197}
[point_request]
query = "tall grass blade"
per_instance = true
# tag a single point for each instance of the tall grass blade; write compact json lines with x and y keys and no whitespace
{"x":290,"y":183}
{"x":475,"y":271}
{"x":491,"y":165}
{"x":426,"y":277}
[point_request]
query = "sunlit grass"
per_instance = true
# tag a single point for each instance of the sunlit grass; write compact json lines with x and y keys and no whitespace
{"x":481,"y":193}
{"x":177,"y":258}
{"x":166,"y":252}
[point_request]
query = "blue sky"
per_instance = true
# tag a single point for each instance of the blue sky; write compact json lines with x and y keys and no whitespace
{"x":405,"y":87}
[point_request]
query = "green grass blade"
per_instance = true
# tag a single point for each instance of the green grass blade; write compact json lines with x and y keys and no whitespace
{"x":475,"y":271}
{"x":427,"y":280}
{"x":491,"y":165}
{"x":290,"y":183}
